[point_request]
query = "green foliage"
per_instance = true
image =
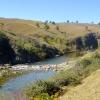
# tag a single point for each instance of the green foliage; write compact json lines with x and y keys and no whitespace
{"x":69,"y":77}
{"x":8,"y":74}
{"x":12,"y":33}
{"x":2,"y":34}
{"x":2,"y":26}
{"x":39,"y":87}
{"x":44,"y":96}
{"x":90,"y":64}
{"x":53,"y":23}
{"x":85,"y":62}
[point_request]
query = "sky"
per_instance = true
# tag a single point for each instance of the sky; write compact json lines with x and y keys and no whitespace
{"x":52,"y":10}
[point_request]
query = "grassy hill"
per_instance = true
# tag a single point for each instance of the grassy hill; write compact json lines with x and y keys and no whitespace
{"x":29,"y":26}
{"x":88,"y":90}
{"x":37,"y":40}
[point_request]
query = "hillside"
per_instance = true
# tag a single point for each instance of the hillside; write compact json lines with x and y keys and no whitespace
{"x":30,"y":41}
{"x":88,"y":90}
{"x":26,"y":27}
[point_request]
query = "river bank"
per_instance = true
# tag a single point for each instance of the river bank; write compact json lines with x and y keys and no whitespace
{"x":6,"y":74}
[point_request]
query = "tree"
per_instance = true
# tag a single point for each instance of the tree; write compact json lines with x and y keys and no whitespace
{"x":91,"y":41}
{"x":46,"y":22}
{"x":67,"y":21}
{"x":98,"y":23}
{"x":53,"y":23}
{"x":79,"y":43}
{"x":77,"y":22}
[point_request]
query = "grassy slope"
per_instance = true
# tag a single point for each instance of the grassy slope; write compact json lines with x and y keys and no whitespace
{"x":26,"y":31}
{"x":88,"y":90}
{"x":20,"y":26}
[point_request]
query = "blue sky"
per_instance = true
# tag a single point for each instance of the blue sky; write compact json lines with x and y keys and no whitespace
{"x":54,"y":10}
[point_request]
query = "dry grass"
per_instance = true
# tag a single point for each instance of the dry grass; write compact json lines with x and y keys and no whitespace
{"x":88,"y":90}
{"x":20,"y":26}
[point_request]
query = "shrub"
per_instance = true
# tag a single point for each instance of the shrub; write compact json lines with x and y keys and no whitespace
{"x":44,"y":96}
{"x":2,"y":35}
{"x":85,"y":62}
{"x":39,"y":87}
{"x":67,"y":77}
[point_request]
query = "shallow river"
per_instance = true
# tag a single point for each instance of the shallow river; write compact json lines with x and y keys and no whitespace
{"x":21,"y":81}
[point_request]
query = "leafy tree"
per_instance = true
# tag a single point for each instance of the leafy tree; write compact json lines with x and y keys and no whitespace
{"x":53,"y":23}
{"x":99,"y":23}
{"x":50,"y":21}
{"x":91,"y":41}
{"x":68,"y":21}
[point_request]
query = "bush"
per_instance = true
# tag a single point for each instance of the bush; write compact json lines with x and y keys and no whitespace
{"x":67,"y":77}
{"x":85,"y":62}
{"x":44,"y":96}
{"x":39,"y":87}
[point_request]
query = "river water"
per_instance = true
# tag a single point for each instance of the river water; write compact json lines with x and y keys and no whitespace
{"x":18,"y":83}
